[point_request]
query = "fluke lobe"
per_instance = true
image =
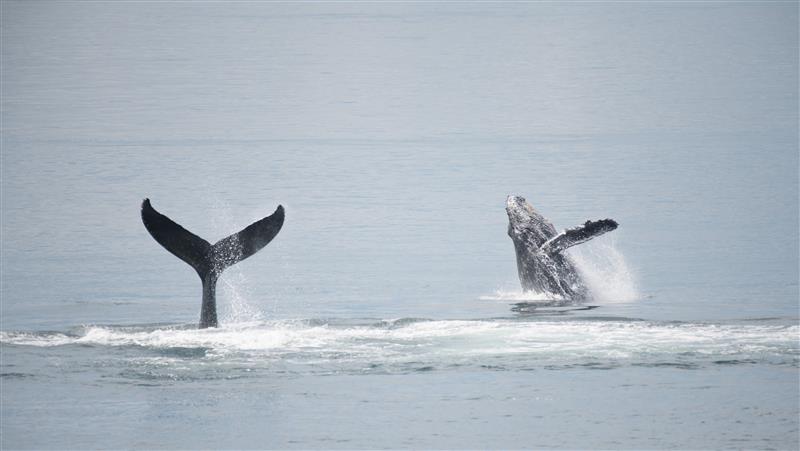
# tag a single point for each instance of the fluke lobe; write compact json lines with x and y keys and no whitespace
{"x":210,"y":260}
{"x":541,"y":263}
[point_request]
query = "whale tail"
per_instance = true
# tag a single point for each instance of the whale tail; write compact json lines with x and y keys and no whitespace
{"x":577,"y":235}
{"x":210,"y":260}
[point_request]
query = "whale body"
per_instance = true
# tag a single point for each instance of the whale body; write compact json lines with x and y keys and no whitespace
{"x":541,"y":263}
{"x":210,"y":260}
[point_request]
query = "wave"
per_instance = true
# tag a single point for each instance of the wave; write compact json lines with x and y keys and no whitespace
{"x":445,"y":342}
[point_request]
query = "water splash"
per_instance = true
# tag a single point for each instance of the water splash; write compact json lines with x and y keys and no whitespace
{"x":517,"y":295}
{"x":236,"y":306}
{"x":605,"y":271}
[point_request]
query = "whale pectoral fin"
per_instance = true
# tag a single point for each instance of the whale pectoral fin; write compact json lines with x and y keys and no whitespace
{"x":235,"y":248}
{"x":180,"y":242}
{"x":578,"y":235}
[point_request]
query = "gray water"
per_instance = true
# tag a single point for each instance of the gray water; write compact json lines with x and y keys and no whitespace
{"x":386,"y":313}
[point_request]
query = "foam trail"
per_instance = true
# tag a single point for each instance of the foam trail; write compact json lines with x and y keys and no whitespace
{"x":446,"y":341}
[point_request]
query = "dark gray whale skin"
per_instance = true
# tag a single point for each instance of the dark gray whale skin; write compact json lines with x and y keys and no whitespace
{"x":210,"y":260}
{"x":541,"y":263}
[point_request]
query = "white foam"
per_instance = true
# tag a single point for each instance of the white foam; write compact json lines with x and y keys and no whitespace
{"x":568,"y":340}
{"x":33,"y":339}
{"x":521,"y":296}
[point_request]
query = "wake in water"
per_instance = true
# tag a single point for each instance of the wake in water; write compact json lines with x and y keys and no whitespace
{"x":408,"y":344}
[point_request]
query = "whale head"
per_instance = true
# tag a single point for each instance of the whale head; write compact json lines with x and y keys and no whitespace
{"x":525,"y":224}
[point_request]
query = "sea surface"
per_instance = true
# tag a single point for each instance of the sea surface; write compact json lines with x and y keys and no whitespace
{"x":387,"y":313}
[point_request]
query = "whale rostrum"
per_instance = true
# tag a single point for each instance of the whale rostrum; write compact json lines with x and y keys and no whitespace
{"x":541,"y":263}
{"x":210,"y":260}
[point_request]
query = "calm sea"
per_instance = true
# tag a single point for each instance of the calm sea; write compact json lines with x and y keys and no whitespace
{"x":385,"y":313}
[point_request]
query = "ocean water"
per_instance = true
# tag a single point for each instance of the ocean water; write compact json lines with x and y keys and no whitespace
{"x":387,"y":313}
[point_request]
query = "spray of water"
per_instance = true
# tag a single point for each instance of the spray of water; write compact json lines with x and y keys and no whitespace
{"x":236,"y":306}
{"x":605,"y":271}
{"x":603,"y":268}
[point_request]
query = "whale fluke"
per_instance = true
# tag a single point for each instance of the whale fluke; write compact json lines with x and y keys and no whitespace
{"x":235,"y":248}
{"x":578,"y":235}
{"x":180,"y":242}
{"x":210,"y":260}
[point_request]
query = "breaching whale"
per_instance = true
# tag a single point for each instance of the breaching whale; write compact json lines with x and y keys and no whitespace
{"x":541,"y":263}
{"x":210,"y":260}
